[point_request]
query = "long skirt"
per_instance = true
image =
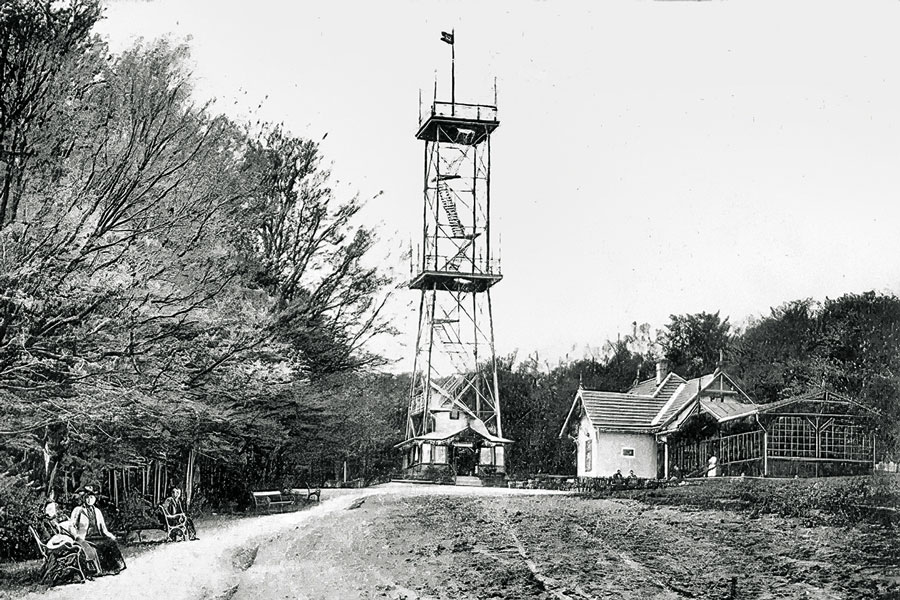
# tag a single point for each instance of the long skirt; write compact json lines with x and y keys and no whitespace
{"x":90,"y":557}
{"x":111,"y":560}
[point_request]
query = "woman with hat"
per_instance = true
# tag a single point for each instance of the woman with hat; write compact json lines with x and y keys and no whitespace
{"x":58,"y":534}
{"x":88,"y":524}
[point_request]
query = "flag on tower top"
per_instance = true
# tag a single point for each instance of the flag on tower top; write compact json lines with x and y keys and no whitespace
{"x":447,"y":37}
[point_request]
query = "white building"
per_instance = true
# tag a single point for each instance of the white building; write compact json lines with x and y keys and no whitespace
{"x":625,"y":431}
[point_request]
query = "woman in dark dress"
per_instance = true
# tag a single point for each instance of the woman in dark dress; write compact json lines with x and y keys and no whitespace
{"x":88,"y":524}
{"x":56,"y":533}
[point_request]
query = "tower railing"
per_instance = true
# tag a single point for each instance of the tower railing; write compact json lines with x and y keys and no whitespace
{"x":462,"y":265}
{"x":459,"y":110}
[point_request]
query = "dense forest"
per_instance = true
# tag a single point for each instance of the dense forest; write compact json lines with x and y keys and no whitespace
{"x":850,"y":344}
{"x":183,"y":289}
{"x":175,"y":286}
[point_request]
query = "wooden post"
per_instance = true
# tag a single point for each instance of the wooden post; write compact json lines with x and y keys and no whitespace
{"x":816,"y":429}
{"x":874,"y":456}
{"x":666,"y":459}
{"x":765,"y":453}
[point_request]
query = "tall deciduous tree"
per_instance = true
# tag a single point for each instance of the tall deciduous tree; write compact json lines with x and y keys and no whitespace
{"x":694,"y":343}
{"x":307,"y":250}
{"x":780,"y":355}
{"x":46,"y":63}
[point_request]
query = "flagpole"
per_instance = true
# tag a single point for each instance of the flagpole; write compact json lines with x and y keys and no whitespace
{"x":453,"y":72}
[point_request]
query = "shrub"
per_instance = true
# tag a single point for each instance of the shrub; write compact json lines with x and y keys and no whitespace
{"x":20,"y":507}
{"x":837,"y":500}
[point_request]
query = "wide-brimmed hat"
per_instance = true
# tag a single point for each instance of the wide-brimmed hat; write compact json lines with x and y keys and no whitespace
{"x":89,"y":490}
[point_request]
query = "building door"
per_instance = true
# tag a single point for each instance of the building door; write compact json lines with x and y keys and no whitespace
{"x":465,"y":459}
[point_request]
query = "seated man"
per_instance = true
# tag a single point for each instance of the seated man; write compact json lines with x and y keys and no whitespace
{"x":174,"y":509}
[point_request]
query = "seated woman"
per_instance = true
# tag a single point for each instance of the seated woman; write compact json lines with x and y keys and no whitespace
{"x":89,"y":525}
{"x":59,"y":534}
{"x":174,"y":510}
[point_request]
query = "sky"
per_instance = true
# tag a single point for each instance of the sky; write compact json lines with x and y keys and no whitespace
{"x":653,"y":158}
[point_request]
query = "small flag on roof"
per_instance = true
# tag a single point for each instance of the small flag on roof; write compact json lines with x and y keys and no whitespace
{"x":447,"y":37}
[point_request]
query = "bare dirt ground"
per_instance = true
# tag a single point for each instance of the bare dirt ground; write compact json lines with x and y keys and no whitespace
{"x":430,"y":542}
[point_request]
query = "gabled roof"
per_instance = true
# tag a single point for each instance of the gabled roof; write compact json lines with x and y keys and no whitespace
{"x":731,"y":406}
{"x":616,"y":411}
{"x":726,"y":410}
{"x":668,"y":387}
{"x":620,"y":412}
{"x":477,"y":426}
{"x":644,"y":388}
{"x":821,"y":395}
{"x":692,"y":387}
{"x":663,"y":390}
{"x":650,"y":407}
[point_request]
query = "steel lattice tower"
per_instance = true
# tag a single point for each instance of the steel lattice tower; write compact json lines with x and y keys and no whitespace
{"x":455,"y":384}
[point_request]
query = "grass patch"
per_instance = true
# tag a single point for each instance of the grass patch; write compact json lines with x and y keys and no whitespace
{"x":833,"y":500}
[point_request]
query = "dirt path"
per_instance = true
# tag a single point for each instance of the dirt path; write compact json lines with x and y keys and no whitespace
{"x":218,"y":565}
{"x":428,"y":546}
{"x":436,"y":542}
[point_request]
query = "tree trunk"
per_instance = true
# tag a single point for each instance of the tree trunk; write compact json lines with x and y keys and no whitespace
{"x":189,"y":477}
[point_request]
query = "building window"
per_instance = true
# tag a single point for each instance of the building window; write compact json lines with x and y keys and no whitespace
{"x":440,"y":455}
{"x":588,"y":455}
{"x":487,"y":456}
{"x":454,"y":414}
{"x":627,"y":451}
{"x":498,"y":456}
{"x":426,"y":453}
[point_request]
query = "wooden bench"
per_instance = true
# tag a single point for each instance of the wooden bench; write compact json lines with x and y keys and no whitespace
{"x":309,"y":493}
{"x":267,"y":500}
{"x":149,"y":518}
{"x":59,"y":562}
{"x":175,"y":525}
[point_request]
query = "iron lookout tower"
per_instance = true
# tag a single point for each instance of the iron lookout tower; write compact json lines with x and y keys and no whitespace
{"x":454,"y":428}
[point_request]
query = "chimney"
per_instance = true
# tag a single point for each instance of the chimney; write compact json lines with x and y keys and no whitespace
{"x":662,"y":369}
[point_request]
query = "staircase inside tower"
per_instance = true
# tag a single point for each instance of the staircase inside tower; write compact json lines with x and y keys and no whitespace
{"x":463,"y":241}
{"x":449,"y":203}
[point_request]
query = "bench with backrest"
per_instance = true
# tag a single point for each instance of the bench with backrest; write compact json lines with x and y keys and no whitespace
{"x":175,"y":525}
{"x":60,"y":561}
{"x":142,"y":516}
{"x":309,"y":493}
{"x":266,"y":501}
